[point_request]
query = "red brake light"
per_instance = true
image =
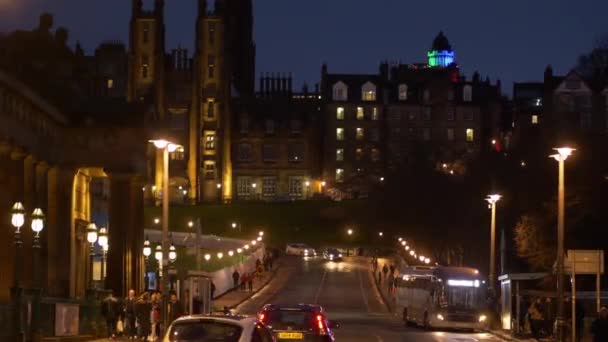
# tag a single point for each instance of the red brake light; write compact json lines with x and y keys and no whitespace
{"x":321,"y":324}
{"x":261,"y":317}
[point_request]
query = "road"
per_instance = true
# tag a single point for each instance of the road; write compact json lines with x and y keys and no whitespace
{"x":347,"y":292}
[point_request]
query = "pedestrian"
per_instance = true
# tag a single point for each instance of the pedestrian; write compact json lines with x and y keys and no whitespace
{"x":176,"y":310}
{"x":212,"y":290}
{"x":270,"y":260}
{"x":156,"y":302}
{"x":536,"y":318}
{"x":391,"y":283}
{"x":385,"y":270}
{"x":392,"y":268}
{"x":110,"y":311}
{"x":244,"y":282}
{"x":375,"y":264}
{"x":259,"y":271}
{"x":257,"y":263}
{"x":130,"y":315}
{"x":250,"y":282}
{"x":143,"y":309}
{"x":548,"y":315}
{"x":599,"y":327}
{"x":235,"y":278}
{"x":265,"y":261}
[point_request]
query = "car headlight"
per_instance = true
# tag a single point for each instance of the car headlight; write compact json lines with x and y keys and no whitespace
{"x":340,"y":255}
{"x":331,"y":255}
{"x":440,"y":317}
{"x":482,"y":318}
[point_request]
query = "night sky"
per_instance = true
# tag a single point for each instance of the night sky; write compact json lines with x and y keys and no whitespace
{"x":512,"y":40}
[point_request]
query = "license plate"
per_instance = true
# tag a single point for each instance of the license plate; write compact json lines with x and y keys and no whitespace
{"x":291,"y":335}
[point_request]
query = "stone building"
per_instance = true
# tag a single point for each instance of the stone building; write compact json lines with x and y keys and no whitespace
{"x":375,"y":123}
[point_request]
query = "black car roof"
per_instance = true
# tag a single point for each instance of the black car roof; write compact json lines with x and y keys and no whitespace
{"x":297,"y":307}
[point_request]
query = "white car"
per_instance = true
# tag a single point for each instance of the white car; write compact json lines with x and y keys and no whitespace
{"x":300,"y":249}
{"x":203,"y":328}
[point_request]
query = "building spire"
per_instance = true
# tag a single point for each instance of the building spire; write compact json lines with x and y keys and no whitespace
{"x":137,"y":7}
{"x":159,"y":7}
{"x":202,"y":8}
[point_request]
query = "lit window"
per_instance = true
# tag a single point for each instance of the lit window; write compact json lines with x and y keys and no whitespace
{"x":270,"y":127}
{"x":403,"y":92}
{"x":243,"y":186}
{"x":534,"y":119}
{"x":339,"y":175}
{"x":269,"y":186}
{"x":467,"y":93}
{"x":178,"y":154}
{"x":110,"y":83}
{"x":368,"y":92}
{"x":375,"y":154}
{"x":295,"y":186}
{"x":209,"y":141}
{"x":340,"y":134}
{"x":209,"y":169}
{"x":359,"y":154}
{"x":450,"y":134}
{"x":340,"y":154}
{"x":360,"y":133}
{"x":340,"y":91}
{"x":340,"y":113}
{"x":360,"y":113}
{"x":470,"y":135}
{"x":375,"y":115}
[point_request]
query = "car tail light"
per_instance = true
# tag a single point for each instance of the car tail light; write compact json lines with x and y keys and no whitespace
{"x":321,"y":325}
{"x":261,"y":317}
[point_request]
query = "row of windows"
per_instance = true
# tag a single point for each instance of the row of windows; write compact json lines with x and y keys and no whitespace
{"x":359,"y":134}
{"x":359,"y":113}
{"x":245,"y":186}
{"x":368,"y":92}
{"x":295,"y":126}
{"x":359,"y":154}
{"x":425,"y":133}
{"x":426,"y":115}
{"x":270,"y":152}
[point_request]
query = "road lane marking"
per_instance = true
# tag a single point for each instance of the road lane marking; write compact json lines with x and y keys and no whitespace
{"x":365,"y":301}
{"x":320,"y":288}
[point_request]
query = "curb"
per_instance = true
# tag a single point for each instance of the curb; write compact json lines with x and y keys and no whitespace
{"x":506,"y":336}
{"x":274,"y":273}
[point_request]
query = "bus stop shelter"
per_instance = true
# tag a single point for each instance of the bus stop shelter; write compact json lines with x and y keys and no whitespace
{"x":511,"y":299}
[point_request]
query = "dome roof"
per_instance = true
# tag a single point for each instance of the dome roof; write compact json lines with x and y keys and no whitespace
{"x":441,"y":42}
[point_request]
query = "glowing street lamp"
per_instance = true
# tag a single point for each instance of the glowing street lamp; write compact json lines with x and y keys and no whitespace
{"x":156,"y":220}
{"x":350,"y":232}
{"x":230,"y":253}
{"x":562,"y":154}
{"x":91,"y":238}
{"x":172,"y":254}
{"x":220,"y":255}
{"x":412,"y":252}
{"x":246,"y":247}
{"x":190,"y":224}
{"x":400,"y":239}
{"x":427,"y":261}
{"x":403,"y":243}
{"x":380,"y":234}
{"x":207,"y":257}
{"x":261,"y":233}
{"x":492,"y":199}
{"x":421,"y":258}
{"x":407,"y":248}
{"x":239,"y":250}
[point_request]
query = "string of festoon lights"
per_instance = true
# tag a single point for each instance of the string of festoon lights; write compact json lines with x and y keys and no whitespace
{"x":243,"y":249}
{"x":409,"y":251}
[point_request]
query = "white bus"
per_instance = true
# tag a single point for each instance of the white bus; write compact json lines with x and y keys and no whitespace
{"x":441,"y":297}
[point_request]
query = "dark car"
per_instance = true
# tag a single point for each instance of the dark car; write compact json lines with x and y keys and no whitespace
{"x":332,"y":254}
{"x":302,"y":322}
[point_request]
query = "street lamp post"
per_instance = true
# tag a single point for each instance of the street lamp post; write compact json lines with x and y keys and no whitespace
{"x":158,"y":255}
{"x":102,"y":240}
{"x":172,"y":258}
{"x":147,"y":252}
{"x":37,"y":227}
{"x":492,"y":199}
{"x":166,"y":147}
{"x":560,"y":157}
{"x":236,"y":225}
{"x":91,"y":238}
{"x":17,"y":220}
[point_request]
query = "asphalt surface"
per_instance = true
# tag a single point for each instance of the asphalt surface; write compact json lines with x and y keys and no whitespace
{"x":347,"y":292}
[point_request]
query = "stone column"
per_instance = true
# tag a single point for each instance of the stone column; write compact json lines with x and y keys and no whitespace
{"x":125,"y":258}
{"x":7,"y":249}
{"x":58,"y":226}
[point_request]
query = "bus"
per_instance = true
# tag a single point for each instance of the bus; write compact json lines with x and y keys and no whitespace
{"x":441,"y":297}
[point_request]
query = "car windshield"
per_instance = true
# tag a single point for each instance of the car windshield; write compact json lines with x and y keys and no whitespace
{"x":205,"y":331}
{"x":462,"y":298}
{"x":289,"y":319}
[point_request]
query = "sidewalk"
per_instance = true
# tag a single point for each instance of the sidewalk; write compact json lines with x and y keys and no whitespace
{"x":233,"y":298}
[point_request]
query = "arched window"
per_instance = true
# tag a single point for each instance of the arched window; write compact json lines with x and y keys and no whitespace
{"x":467,"y":93}
{"x":340,"y":91}
{"x":368,"y":92}
{"x":402,"y":92}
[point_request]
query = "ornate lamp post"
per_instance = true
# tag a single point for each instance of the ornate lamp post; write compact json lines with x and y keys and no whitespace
{"x":17,"y":220}
{"x":147,"y":252}
{"x":562,"y":154}
{"x":172,"y":258}
{"x":102,"y":240}
{"x":158,"y":255}
{"x":37,"y":227}
{"x":91,"y":238}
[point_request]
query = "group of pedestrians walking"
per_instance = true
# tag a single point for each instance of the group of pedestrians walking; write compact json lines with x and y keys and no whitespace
{"x":138,"y":317}
{"x":244,"y":281}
